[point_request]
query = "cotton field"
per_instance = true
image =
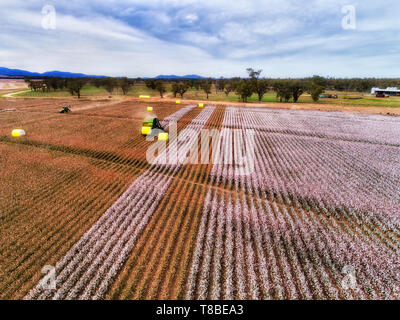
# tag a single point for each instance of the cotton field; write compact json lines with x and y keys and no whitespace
{"x":244,"y":203}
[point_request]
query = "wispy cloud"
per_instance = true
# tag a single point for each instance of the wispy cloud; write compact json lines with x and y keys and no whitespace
{"x":219,"y":37}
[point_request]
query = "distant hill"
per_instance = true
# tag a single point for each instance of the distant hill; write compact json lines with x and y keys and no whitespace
{"x":172,"y":76}
{"x":61,"y":74}
{"x":23,"y":73}
{"x":17,"y":72}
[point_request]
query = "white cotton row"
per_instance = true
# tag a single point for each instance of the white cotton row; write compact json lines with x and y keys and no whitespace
{"x":290,"y":246}
{"x":175,"y":117}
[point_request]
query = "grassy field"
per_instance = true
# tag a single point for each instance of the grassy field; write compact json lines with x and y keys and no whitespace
{"x":350,"y":98}
{"x":345,"y":99}
{"x":90,"y":91}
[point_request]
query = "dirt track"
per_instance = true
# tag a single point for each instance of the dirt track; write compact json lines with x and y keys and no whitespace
{"x":11,"y":94}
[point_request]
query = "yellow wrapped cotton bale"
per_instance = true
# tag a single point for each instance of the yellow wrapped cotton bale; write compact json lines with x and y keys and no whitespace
{"x":178,"y":101}
{"x":146,"y":130}
{"x":163,"y":136}
{"x":144,"y":97}
{"x":18,"y":133}
{"x":201,"y":105}
{"x":149,"y":108}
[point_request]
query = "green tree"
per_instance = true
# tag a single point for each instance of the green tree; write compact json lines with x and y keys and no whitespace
{"x":175,"y":89}
{"x":97,"y":82}
{"x":36,"y":85}
{"x":29,"y":82}
{"x":244,"y":89}
{"x":316,"y":91}
{"x":206,"y":86}
{"x":221,"y":83}
{"x":228,"y":87}
{"x":74,"y":86}
{"x":182,"y":88}
{"x":197,"y":84}
{"x":282,"y":89}
{"x":160,"y":87}
{"x":125,"y":84}
{"x":262,"y":86}
{"x":110,"y":84}
{"x":62,"y":83}
{"x":297,"y":89}
{"x":47,"y":84}
{"x":190,"y":83}
{"x":319,"y":81}
{"x":150,"y":83}
{"x":54,"y":83}
{"x":254,"y":74}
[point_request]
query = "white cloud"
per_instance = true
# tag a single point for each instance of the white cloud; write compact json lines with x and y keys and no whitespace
{"x":95,"y":45}
{"x":212,"y":38}
{"x":191,"y":17}
{"x":201,"y":39}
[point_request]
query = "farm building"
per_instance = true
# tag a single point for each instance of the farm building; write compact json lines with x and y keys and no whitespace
{"x":388,"y":91}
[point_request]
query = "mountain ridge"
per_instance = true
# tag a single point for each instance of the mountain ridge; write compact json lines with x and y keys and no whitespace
{"x":55,"y":73}
{"x":64,"y":74}
{"x":173,"y":76}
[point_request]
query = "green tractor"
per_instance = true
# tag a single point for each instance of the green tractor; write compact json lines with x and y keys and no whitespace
{"x":65,"y":109}
{"x":151,"y":126}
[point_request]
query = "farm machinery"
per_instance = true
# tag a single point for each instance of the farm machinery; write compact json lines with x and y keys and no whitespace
{"x":329,"y":96}
{"x":65,"y":109}
{"x":152,"y":127}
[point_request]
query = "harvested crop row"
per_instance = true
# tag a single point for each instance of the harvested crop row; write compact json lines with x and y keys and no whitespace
{"x":77,"y":133}
{"x":107,"y":157}
{"x":63,"y":220}
{"x":57,"y":221}
{"x":158,"y":266}
{"x":90,"y":266}
{"x":133,"y":146}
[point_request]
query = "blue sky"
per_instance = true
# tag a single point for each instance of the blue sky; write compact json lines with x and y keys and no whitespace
{"x":285,"y":38}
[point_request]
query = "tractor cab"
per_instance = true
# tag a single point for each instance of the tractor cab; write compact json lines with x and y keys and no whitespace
{"x":151,"y":126}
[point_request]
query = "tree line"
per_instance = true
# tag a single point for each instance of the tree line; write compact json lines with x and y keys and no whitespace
{"x":244,"y":88}
{"x":286,"y":89}
{"x":75,"y":85}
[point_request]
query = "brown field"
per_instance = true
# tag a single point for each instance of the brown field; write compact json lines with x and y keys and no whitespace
{"x":7,"y":84}
{"x":77,"y":193}
{"x":58,"y":180}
